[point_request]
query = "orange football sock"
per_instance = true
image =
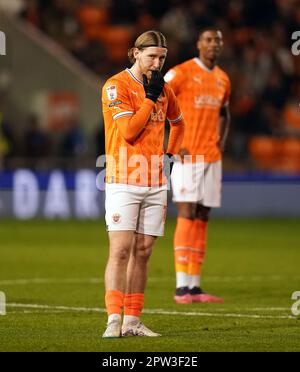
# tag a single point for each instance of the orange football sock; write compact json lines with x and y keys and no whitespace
{"x":114,"y":301}
{"x":197,"y":253}
{"x":182,"y":244}
{"x":133,"y":304}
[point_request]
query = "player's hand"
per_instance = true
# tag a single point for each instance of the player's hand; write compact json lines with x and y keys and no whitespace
{"x":168,"y":164}
{"x":154,"y":87}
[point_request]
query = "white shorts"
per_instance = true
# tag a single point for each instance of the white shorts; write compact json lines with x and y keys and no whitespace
{"x":197,"y":183}
{"x":136,"y":208}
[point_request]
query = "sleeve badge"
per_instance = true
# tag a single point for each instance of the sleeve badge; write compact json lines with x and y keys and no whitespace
{"x":111,"y":92}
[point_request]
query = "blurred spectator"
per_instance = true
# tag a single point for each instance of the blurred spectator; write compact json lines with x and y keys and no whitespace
{"x":100,"y":141}
{"x":36,"y":141}
{"x":123,"y":12}
{"x":275,"y":91}
{"x":31,"y":13}
{"x":291,"y":110}
{"x":7,"y":142}
{"x":90,"y":53}
{"x":58,"y":19}
{"x":73,"y":140}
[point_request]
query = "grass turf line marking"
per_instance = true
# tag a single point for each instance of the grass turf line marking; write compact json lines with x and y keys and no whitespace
{"x":151,"y":279}
{"x":51,"y":281}
{"x":152,"y":311}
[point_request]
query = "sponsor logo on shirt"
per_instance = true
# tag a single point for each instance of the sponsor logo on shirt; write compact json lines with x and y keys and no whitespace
{"x":158,"y":116}
{"x":115,"y":103}
{"x":201,"y":101}
{"x":197,"y":80}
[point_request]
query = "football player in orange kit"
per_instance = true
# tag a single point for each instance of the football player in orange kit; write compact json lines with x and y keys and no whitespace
{"x":203,"y":91}
{"x":136,"y":102}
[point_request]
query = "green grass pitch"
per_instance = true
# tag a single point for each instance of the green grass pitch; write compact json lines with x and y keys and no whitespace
{"x":52,"y":275}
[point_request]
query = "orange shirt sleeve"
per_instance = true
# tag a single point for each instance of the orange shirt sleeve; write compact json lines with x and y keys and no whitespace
{"x":131,"y":126}
{"x":115,"y":99}
{"x":175,"y":78}
{"x":175,"y":119}
{"x":117,"y":102}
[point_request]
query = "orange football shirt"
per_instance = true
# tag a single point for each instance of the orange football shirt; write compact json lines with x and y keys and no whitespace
{"x":122,"y":96}
{"x":201,"y":94}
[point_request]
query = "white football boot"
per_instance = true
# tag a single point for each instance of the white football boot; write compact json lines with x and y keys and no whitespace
{"x":137,"y":329}
{"x":113,"y":329}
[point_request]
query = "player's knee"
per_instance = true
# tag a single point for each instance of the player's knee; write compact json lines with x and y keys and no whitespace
{"x":143,"y":251}
{"x":120,"y":254}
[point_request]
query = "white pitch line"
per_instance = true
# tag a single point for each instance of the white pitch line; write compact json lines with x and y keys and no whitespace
{"x":68,"y":308}
{"x":269,"y":309}
{"x":152,"y":311}
{"x":68,"y":280}
{"x":224,"y":279}
{"x":38,"y":312}
{"x":51,"y":281}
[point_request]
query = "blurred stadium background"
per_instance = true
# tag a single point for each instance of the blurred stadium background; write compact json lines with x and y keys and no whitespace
{"x":58,"y":53}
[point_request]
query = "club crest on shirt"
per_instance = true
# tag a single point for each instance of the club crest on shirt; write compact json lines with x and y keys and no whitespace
{"x":111,"y":92}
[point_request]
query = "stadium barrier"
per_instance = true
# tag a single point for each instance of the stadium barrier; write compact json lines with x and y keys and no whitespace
{"x":25,"y":194}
